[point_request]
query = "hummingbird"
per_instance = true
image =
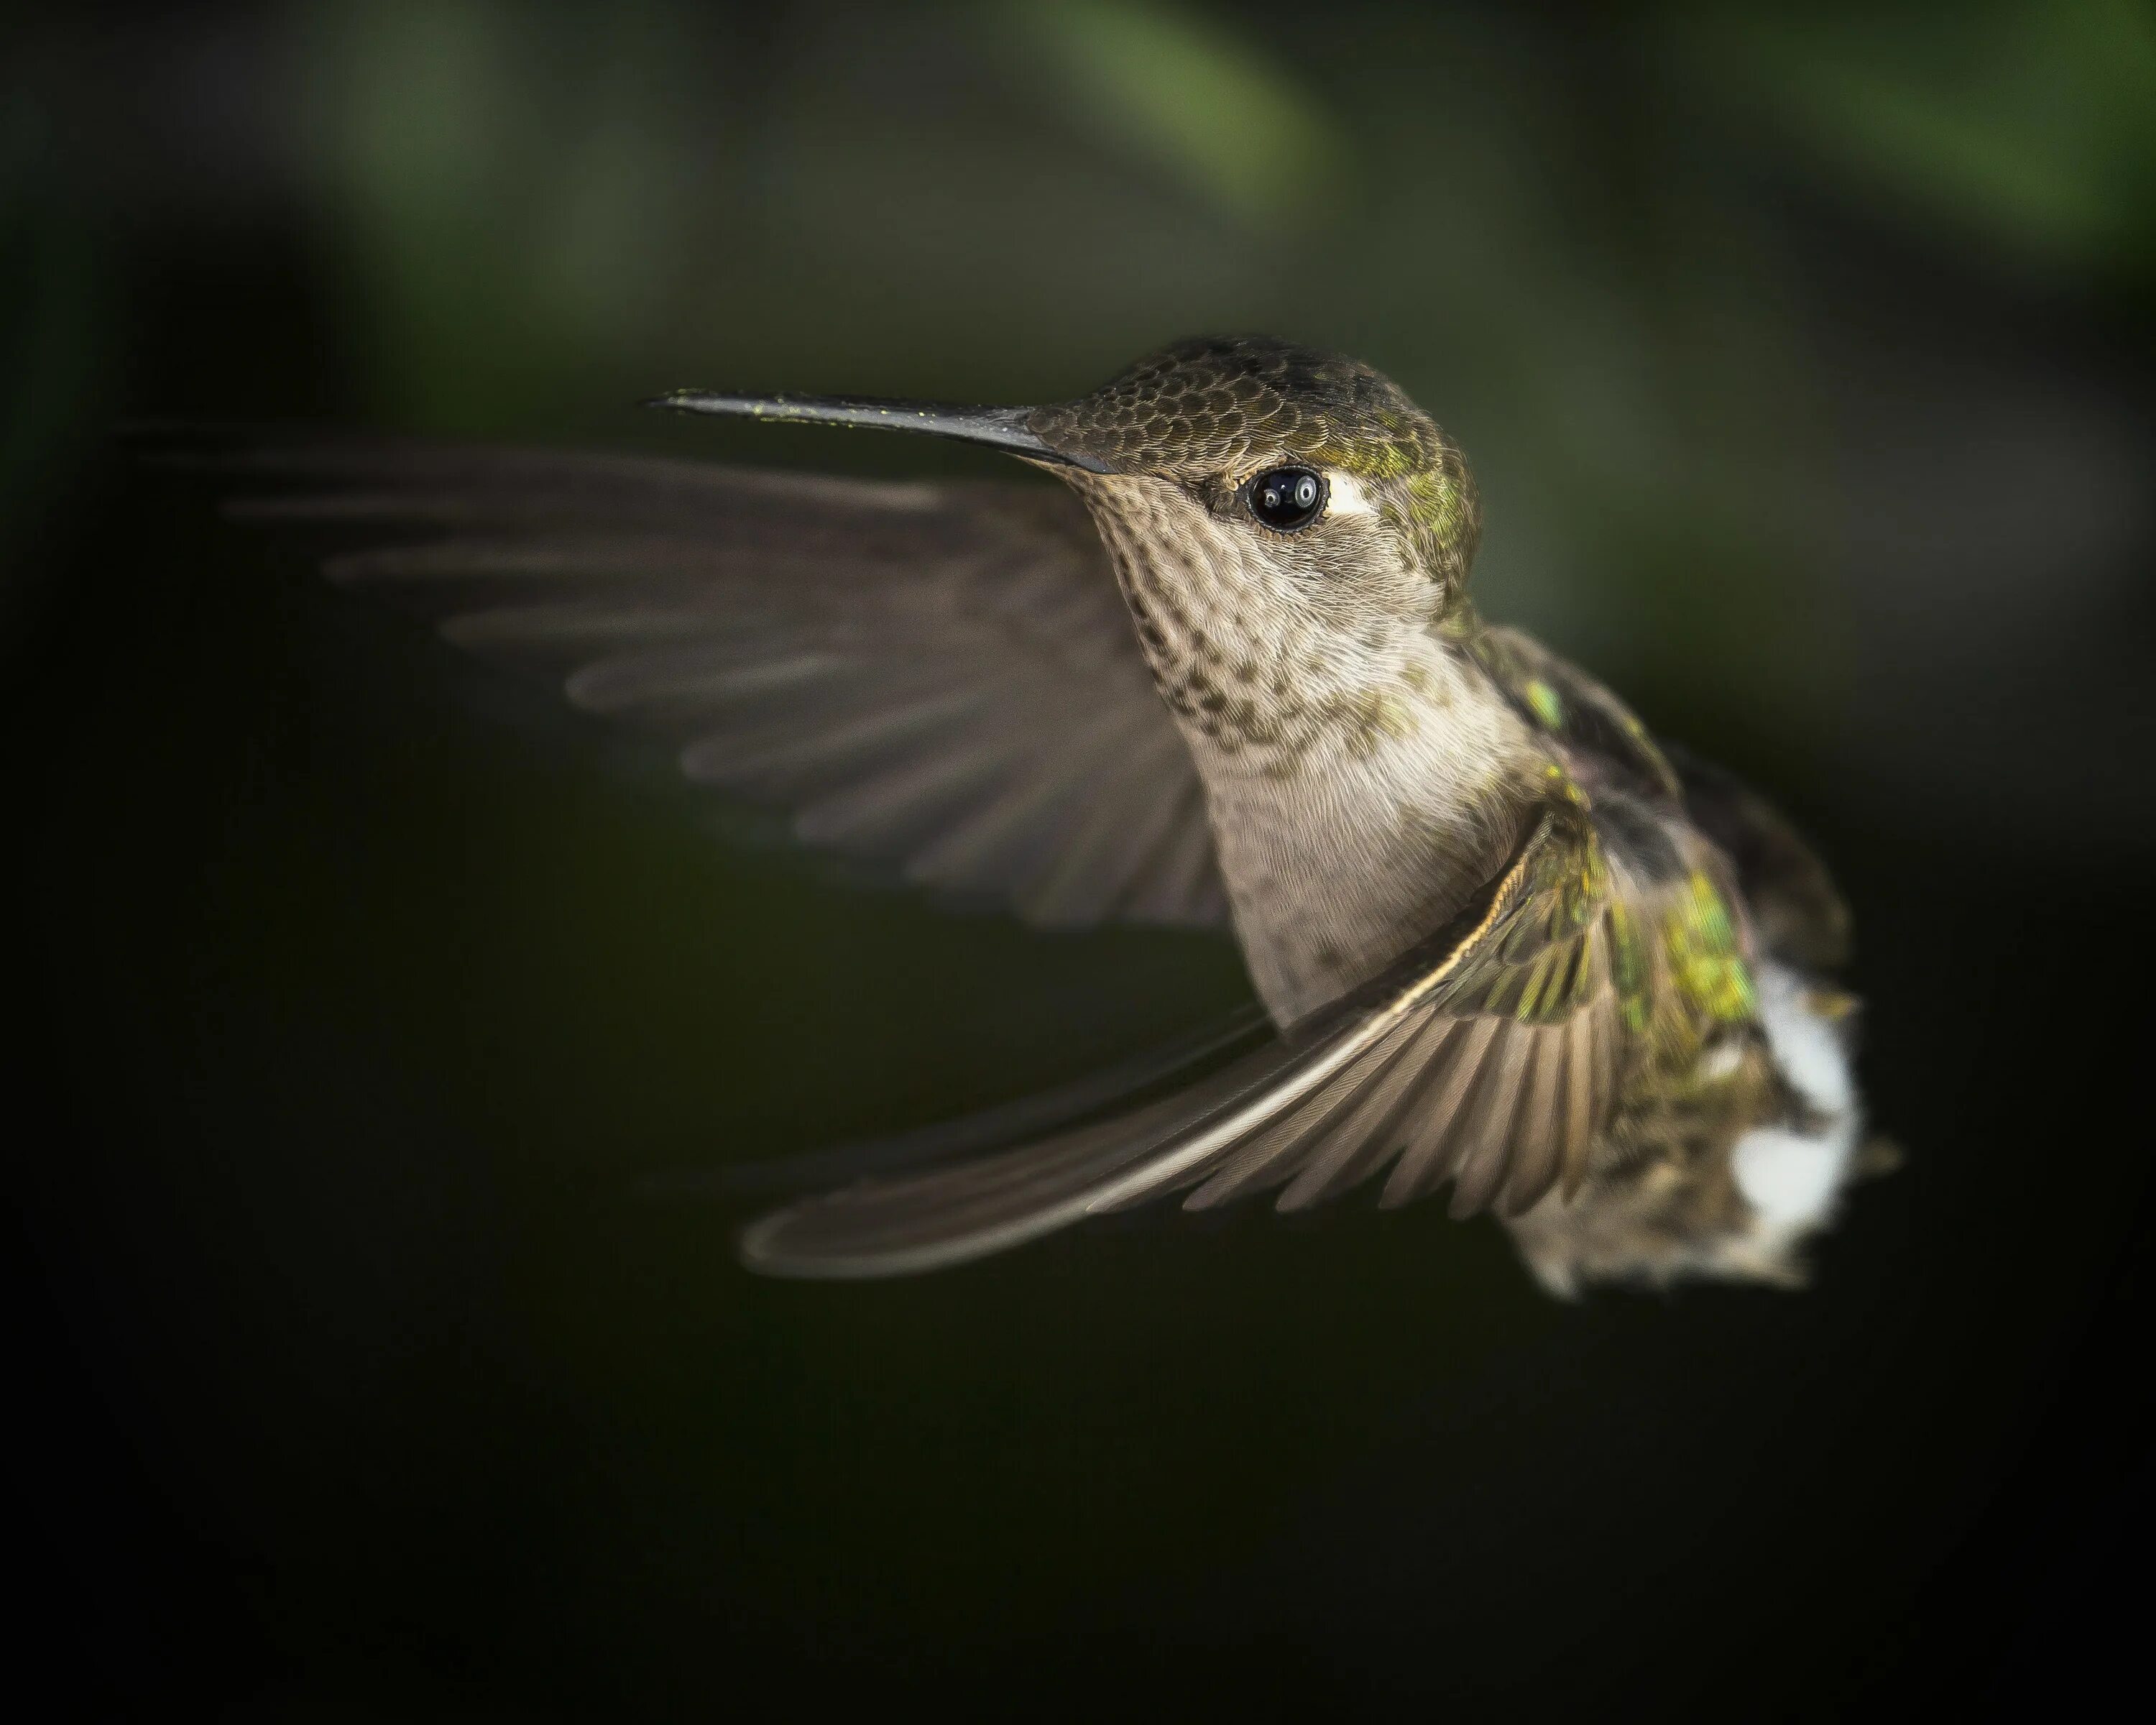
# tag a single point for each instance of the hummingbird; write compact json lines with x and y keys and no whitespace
{"x":1509,"y":945}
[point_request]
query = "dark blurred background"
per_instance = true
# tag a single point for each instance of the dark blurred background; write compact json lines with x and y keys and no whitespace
{"x":1806,"y":358}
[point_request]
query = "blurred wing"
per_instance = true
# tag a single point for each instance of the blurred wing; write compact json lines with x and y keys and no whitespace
{"x":941,"y":675}
{"x":1489,"y":1056}
{"x":1800,"y":916}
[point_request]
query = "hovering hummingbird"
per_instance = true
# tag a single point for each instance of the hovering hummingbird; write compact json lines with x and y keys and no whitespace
{"x":1228,"y":676}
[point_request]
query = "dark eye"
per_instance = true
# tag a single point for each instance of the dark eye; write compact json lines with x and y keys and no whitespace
{"x":1287,"y":498}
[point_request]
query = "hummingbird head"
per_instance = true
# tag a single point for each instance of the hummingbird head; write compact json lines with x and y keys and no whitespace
{"x":1286,"y":525}
{"x":1308,"y":460}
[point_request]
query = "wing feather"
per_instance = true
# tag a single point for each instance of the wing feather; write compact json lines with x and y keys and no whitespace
{"x":1358,"y":1144}
{"x":1488,"y":1056}
{"x":941,"y":675}
{"x":1537,"y":1126}
{"x":1486,"y":1132}
{"x":1434,"y":1150}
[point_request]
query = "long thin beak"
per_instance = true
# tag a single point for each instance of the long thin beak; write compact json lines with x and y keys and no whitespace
{"x":998,"y":428}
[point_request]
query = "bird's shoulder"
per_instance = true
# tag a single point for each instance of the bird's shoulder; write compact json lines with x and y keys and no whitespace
{"x":1581,"y":719}
{"x":1683,"y":826}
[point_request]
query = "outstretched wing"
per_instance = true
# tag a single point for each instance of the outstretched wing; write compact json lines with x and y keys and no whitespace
{"x":941,"y":676}
{"x":1490,"y":1056}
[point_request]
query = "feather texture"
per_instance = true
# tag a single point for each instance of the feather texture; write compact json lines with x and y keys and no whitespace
{"x":1434,"y":1069}
{"x":940,"y":676}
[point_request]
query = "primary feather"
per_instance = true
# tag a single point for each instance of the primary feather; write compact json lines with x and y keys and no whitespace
{"x":940,"y":676}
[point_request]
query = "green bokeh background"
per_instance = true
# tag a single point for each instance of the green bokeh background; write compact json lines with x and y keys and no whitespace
{"x":1804,"y":357}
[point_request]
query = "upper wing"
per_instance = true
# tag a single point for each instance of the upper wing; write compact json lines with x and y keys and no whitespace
{"x":1491,"y":1055}
{"x":939,"y":675}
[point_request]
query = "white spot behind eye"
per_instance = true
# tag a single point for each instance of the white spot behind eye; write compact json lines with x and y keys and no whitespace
{"x":1347,"y":497}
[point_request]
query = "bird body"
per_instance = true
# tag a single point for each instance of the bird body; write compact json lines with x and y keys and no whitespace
{"x":1508,"y":941}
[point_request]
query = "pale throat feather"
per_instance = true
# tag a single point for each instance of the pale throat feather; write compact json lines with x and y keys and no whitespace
{"x":1364,"y":778}
{"x":1380,"y":835}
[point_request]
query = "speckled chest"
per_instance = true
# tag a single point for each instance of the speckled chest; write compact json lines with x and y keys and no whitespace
{"x":1362,"y":779}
